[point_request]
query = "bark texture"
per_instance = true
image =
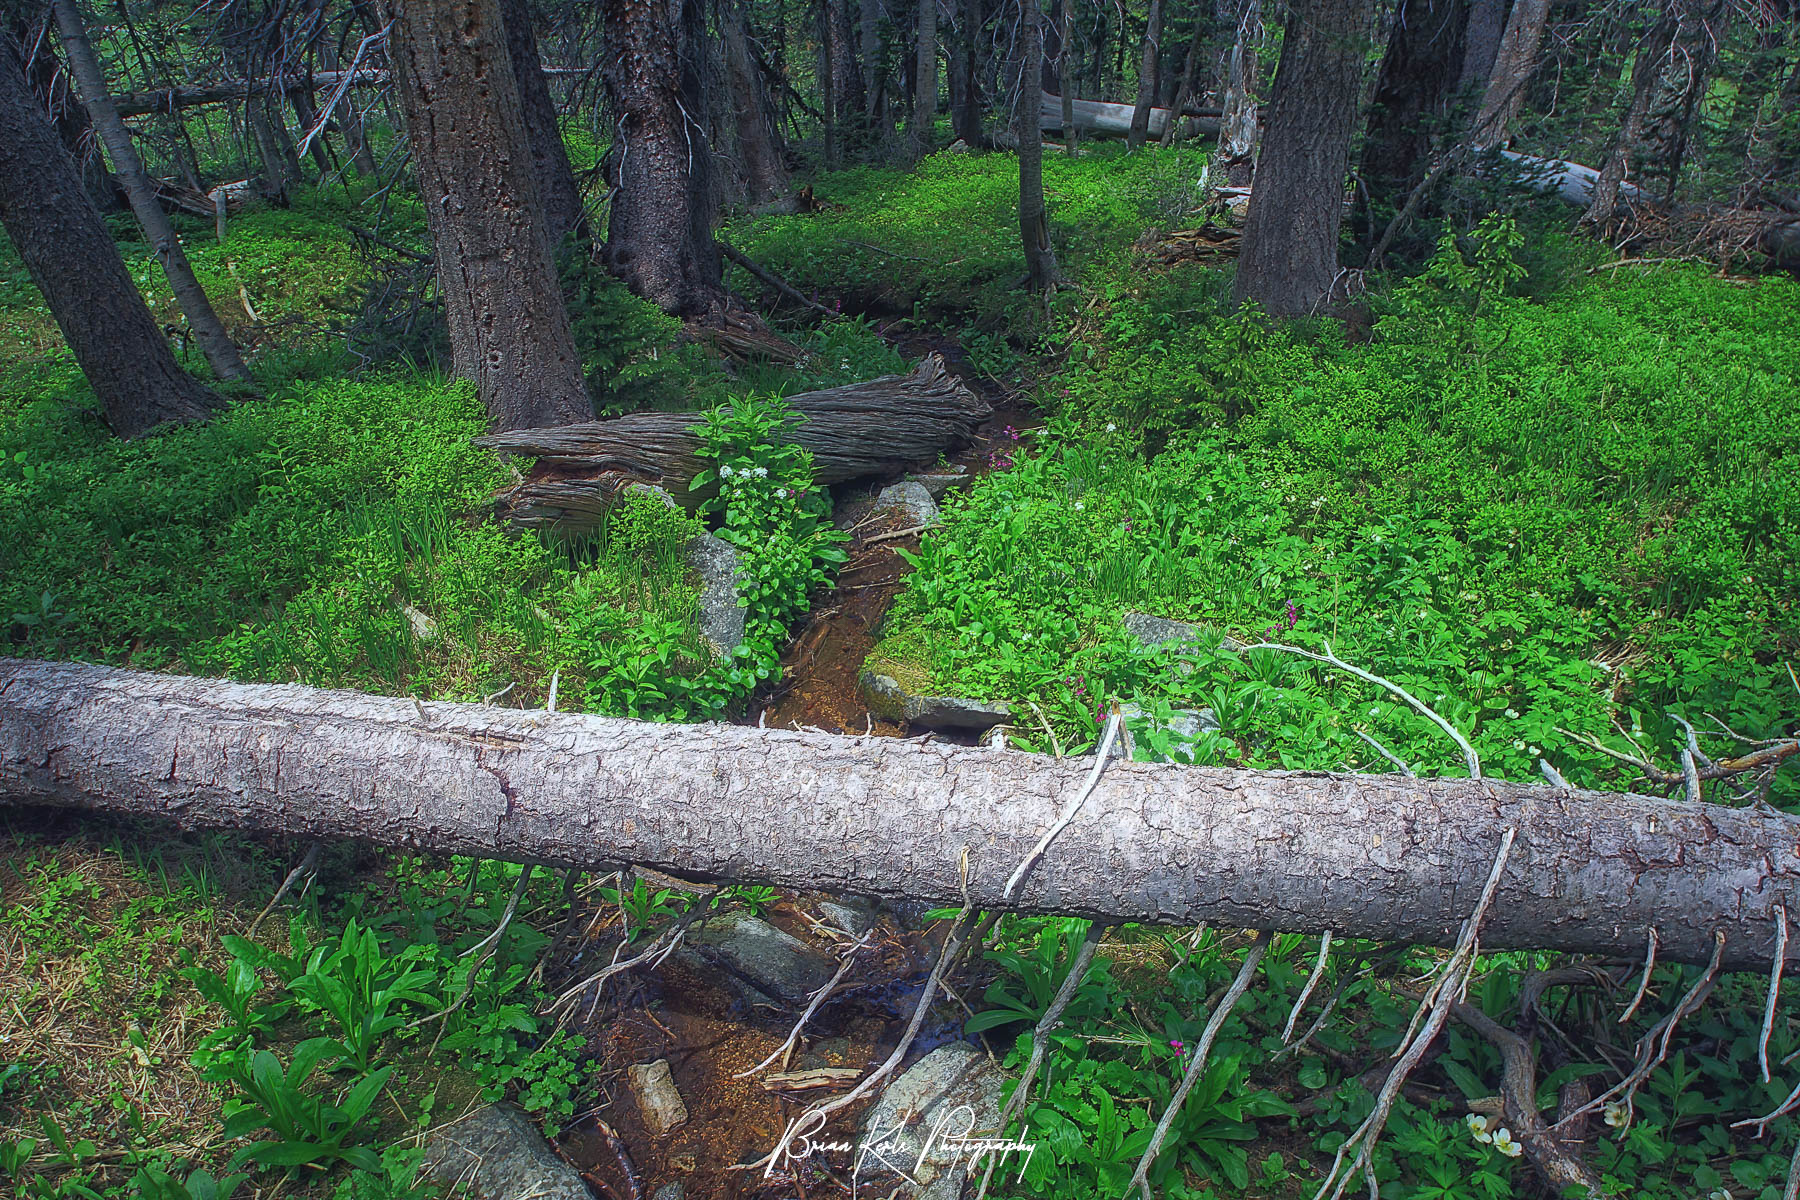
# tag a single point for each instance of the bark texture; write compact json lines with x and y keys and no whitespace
{"x":762,"y":175}
{"x":1238,"y":124}
{"x":1041,"y":273}
{"x":1514,"y":64}
{"x":659,"y":240}
{"x":925,"y":80}
{"x":558,"y":197}
{"x":509,"y":332}
{"x":215,"y":343}
{"x":1288,"y":262}
{"x":854,"y":431}
{"x":1413,"y":96}
{"x":1370,"y":856}
{"x":1149,"y":56}
{"x":75,"y":264}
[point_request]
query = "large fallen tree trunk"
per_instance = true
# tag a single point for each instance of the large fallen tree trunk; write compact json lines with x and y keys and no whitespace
{"x":1114,"y":120}
{"x":854,"y":431}
{"x":219,"y":91}
{"x":1571,"y":182}
{"x":1373,"y":856}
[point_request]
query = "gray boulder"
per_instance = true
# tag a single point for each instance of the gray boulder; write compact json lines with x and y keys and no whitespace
{"x":774,"y":962}
{"x":937,"y":483}
{"x":1187,"y":723}
{"x":853,"y":914}
{"x":952,"y":1093}
{"x":721,"y":617}
{"x":889,"y":699}
{"x":910,"y":501}
{"x":500,"y":1155}
{"x":1151,"y":632}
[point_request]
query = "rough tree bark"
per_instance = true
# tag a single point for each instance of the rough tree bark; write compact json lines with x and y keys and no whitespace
{"x":1487,"y":25}
{"x":854,"y":431}
{"x":1041,"y":273}
{"x":1369,"y":856}
{"x":762,"y":174}
{"x":1148,"y":57}
{"x":1238,"y":125}
{"x":925,"y":81}
{"x":1065,"y":78}
{"x":215,"y":343}
{"x":1514,"y":64}
{"x":509,"y":332}
{"x":660,"y":239}
{"x":72,"y":259}
{"x":1655,"y":45}
{"x":846,"y":93}
{"x":1288,"y":259}
{"x":558,"y":197}
{"x":1681,"y":79}
{"x":1413,"y":97}
{"x":56,"y":95}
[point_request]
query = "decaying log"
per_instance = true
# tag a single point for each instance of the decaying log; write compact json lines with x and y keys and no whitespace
{"x":857,"y":430}
{"x":1571,"y":182}
{"x":193,"y":95}
{"x":1114,"y":120}
{"x":1368,"y":856}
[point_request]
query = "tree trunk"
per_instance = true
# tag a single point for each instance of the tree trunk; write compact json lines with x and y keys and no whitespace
{"x":925,"y":81}
{"x":846,"y":80}
{"x":70,"y":120}
{"x":1146,"y":90}
{"x":660,"y":238}
{"x":1775,"y":145}
{"x":1681,"y":80}
{"x":509,"y":332}
{"x":1654,"y":47}
{"x":1288,"y":262}
{"x":1238,"y":123}
{"x":1102,"y":118}
{"x":197,"y":95}
{"x":558,"y":197}
{"x":1041,"y":273}
{"x":1367,"y":856}
{"x":349,"y":117}
{"x":968,"y":105}
{"x":215,"y":343}
{"x":762,"y":174}
{"x":853,"y":432}
{"x":1514,"y":64}
{"x":1190,"y":70}
{"x":874,"y":73}
{"x":1413,"y":98}
{"x":1065,"y":79}
{"x":1486,"y":26}
{"x":75,"y":264}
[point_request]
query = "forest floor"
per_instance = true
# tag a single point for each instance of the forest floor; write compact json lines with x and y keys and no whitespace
{"x":1560,"y":504}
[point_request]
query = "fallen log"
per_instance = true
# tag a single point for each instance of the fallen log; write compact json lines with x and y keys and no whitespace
{"x":857,"y":430}
{"x":1369,"y":856}
{"x":1570,"y":182}
{"x":193,"y":95}
{"x":1100,"y":117}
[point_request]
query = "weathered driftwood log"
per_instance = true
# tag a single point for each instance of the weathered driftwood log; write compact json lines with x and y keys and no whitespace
{"x":1114,"y":120}
{"x":853,"y":431}
{"x":1374,"y":856}
{"x":1571,"y":182}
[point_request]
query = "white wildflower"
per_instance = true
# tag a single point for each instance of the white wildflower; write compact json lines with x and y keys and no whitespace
{"x":782,"y":493}
{"x":1534,"y":751}
{"x":1478,"y":1125}
{"x":762,"y":472}
{"x":725,"y":472}
{"x":1080,"y":507}
{"x":1718,"y":1194}
{"x":1518,"y":743}
{"x":1615,"y":1114}
{"x":1512,"y":714}
{"x":1503,"y":1142}
{"x":1110,"y":427}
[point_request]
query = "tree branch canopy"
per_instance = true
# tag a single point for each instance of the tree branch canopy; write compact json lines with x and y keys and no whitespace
{"x":1373,"y":856}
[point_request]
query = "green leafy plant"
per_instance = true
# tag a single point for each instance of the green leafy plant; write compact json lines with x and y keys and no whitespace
{"x":310,"y":1130}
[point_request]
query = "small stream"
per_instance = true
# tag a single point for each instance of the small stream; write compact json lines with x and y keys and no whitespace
{"x":684,"y":1011}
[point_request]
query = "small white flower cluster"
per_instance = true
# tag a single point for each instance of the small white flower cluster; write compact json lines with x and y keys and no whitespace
{"x":725,"y":472}
{"x":1615,"y":1114}
{"x":1500,"y":1139}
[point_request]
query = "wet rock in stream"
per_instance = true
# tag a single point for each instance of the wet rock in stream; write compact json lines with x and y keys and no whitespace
{"x":773,"y":962}
{"x":499,"y":1153}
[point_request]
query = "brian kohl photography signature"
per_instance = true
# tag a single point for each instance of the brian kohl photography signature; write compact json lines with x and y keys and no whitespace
{"x":950,"y":1139}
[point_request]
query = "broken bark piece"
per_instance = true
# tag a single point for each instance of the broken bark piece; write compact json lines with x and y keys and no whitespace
{"x":858,"y":430}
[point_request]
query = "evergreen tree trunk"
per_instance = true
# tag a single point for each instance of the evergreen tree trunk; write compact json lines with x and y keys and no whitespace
{"x":72,"y":259}
{"x":67,"y":116}
{"x":660,"y":238}
{"x":1514,"y":64}
{"x":1288,"y":259}
{"x":966,"y":106}
{"x":763,"y":175}
{"x":1065,"y":79}
{"x":509,"y":332}
{"x":1681,"y":80}
{"x":1481,"y":46}
{"x":846,"y":79}
{"x":1184,"y":91}
{"x":868,"y":15}
{"x":925,"y":81}
{"x":215,"y":343}
{"x":1146,"y":90}
{"x":557,"y":194}
{"x":1413,"y":98}
{"x":1645,"y":70}
{"x":1238,"y":124}
{"x":1041,"y":272}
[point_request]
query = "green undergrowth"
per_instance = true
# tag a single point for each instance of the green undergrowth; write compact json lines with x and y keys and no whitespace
{"x":1578,"y":514}
{"x":941,"y":243}
{"x":1267,"y":1113}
